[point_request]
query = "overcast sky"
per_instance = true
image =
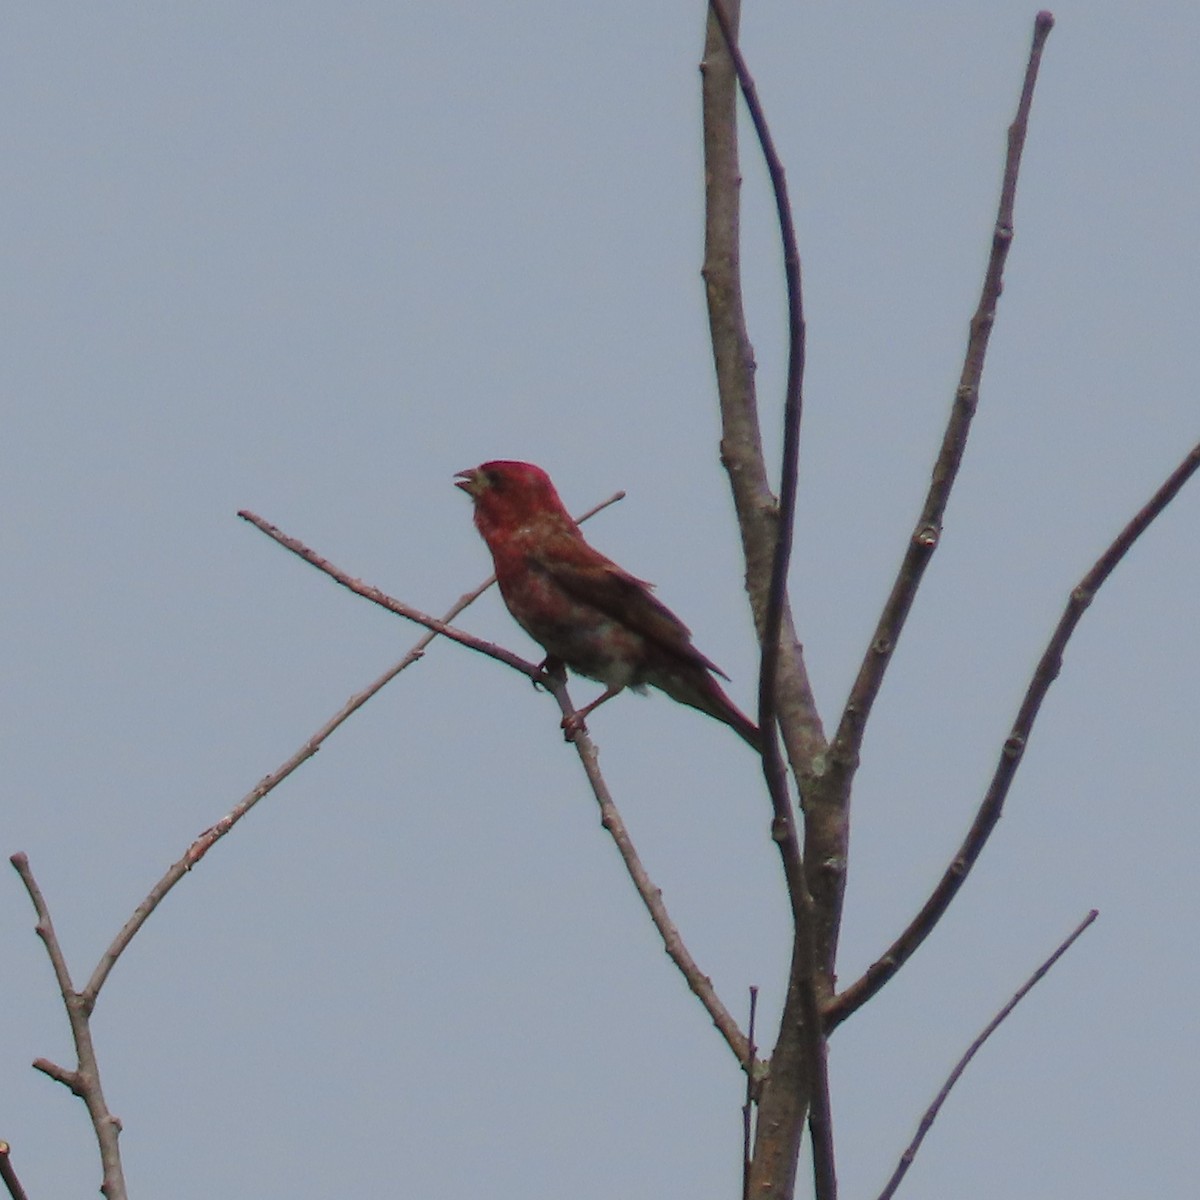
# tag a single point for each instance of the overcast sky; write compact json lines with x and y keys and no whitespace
{"x":312,"y":259}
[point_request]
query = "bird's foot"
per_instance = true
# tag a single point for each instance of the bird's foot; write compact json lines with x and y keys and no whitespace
{"x":573,"y":726}
{"x":554,"y":667}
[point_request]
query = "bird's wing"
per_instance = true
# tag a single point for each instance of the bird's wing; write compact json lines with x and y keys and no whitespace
{"x":587,"y":576}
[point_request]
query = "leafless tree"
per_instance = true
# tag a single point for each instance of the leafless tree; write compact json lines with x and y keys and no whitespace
{"x":808,"y":771}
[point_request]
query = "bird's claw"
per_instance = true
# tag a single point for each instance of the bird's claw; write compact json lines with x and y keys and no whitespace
{"x":572,"y":727}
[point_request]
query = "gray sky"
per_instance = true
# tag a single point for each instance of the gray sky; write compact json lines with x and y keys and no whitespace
{"x":313,"y":259}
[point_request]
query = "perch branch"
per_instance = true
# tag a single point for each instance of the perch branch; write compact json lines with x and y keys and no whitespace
{"x":205,"y":841}
{"x":610,"y":817}
{"x":898,"y":953}
{"x":651,"y":895}
{"x":85,"y":1080}
{"x":376,"y":596}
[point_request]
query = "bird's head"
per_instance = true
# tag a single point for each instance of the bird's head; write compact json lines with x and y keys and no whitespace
{"x":509,"y":496}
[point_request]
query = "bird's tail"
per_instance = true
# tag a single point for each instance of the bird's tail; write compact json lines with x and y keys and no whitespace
{"x":706,"y":694}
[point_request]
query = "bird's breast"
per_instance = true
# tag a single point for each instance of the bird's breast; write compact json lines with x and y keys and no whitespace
{"x":589,"y":641}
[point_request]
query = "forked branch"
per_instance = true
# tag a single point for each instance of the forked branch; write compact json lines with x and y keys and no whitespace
{"x":84,"y":1078}
{"x":899,"y":952}
{"x":650,"y":895}
{"x":206,"y":840}
{"x":804,"y":985}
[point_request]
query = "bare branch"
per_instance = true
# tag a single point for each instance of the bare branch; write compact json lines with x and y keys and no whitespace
{"x":825,"y":825}
{"x":398,"y":607}
{"x":793,"y":393}
{"x":785,"y":832}
{"x":898,"y":953}
{"x":847,"y":742}
{"x":906,"y":1159}
{"x":84,"y":1081}
{"x":69,"y":1079}
{"x":205,"y":841}
{"x":44,"y":927}
{"x":751,"y":1089}
{"x":651,"y":895}
{"x":15,"y":1190}
{"x":804,"y":959}
{"x":733,"y":359}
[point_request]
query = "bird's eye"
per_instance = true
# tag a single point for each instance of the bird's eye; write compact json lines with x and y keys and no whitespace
{"x":495,"y":481}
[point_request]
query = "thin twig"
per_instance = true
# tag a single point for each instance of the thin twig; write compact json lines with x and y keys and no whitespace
{"x":784,"y":830}
{"x":748,"y":1107}
{"x":204,"y":842}
{"x":15,"y":1190}
{"x":906,"y":1159}
{"x":651,"y":895}
{"x":84,"y":1080}
{"x":898,"y":953}
{"x":45,"y":926}
{"x":376,"y":596}
{"x":847,"y":741}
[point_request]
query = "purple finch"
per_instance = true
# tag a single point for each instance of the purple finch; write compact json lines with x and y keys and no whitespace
{"x":584,"y":610}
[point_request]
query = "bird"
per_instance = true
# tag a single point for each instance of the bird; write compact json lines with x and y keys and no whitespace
{"x":584,"y":610}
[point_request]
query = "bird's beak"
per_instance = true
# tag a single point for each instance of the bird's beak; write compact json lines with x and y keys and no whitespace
{"x":471,"y":482}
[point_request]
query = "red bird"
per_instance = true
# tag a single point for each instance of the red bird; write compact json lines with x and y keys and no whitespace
{"x":584,"y":610}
